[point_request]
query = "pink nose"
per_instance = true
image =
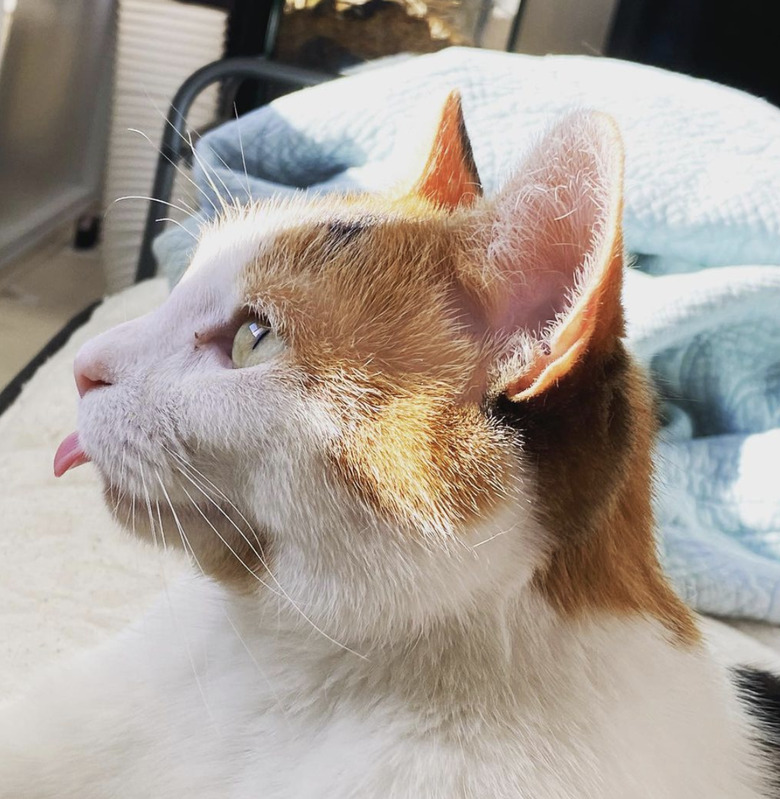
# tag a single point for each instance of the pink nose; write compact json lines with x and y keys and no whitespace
{"x":89,"y":373}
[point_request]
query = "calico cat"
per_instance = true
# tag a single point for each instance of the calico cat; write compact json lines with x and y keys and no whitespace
{"x":410,"y":458}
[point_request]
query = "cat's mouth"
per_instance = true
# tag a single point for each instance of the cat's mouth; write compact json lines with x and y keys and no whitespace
{"x":69,"y":455}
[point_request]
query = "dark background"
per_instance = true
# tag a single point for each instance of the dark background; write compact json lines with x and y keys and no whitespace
{"x":736,"y":43}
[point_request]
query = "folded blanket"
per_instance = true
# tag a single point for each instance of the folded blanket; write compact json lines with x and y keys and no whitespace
{"x":702,"y":215}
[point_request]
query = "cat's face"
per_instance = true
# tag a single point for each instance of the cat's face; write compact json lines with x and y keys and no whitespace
{"x":319,"y":408}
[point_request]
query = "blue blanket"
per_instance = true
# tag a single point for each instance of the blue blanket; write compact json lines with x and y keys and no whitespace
{"x":702,"y":217}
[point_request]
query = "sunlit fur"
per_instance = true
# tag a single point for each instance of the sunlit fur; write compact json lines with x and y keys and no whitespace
{"x":425,"y":526}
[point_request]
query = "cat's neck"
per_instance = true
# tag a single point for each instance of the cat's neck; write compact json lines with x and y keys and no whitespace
{"x":498,"y":658}
{"x":513,"y":686}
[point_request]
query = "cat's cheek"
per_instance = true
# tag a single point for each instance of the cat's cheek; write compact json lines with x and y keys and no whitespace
{"x":241,"y":411}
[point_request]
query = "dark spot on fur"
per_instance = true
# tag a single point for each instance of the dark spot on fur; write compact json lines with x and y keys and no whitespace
{"x":588,"y":438}
{"x":760,"y":692}
{"x":577,"y":435}
{"x":344,"y":232}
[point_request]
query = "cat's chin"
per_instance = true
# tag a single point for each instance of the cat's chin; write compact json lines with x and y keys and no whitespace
{"x":218,"y":539}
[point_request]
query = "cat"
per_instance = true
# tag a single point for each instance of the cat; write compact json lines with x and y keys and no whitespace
{"x":409,"y":456}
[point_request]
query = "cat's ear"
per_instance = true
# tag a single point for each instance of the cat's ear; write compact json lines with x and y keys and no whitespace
{"x":449,"y":176}
{"x":555,"y":246}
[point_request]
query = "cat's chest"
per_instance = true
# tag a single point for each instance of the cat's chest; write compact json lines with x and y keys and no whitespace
{"x":386,"y":758}
{"x":391,"y":751}
{"x":272,"y":718}
{"x":381,"y":757}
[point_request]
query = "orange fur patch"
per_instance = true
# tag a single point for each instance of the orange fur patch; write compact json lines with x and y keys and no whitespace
{"x":375,"y":318}
{"x":590,"y":438}
{"x":427,"y":462}
{"x":449,"y":178}
{"x":386,"y":305}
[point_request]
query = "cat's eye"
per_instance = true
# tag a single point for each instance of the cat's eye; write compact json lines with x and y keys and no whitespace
{"x":254,"y":343}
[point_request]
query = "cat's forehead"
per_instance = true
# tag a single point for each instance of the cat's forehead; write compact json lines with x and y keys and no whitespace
{"x":243,"y":237}
{"x":239,"y":236}
{"x":304,"y":259}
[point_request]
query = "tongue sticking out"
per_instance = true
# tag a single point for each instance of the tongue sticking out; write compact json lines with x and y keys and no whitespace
{"x":69,"y":455}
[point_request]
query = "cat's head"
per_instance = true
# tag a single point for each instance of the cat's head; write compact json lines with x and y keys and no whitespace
{"x":384,"y":409}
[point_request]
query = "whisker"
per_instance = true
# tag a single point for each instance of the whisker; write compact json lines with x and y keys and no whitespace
{"x":243,"y":158}
{"x":188,"y":140}
{"x":281,"y":588}
{"x":192,"y":469}
{"x":120,"y":491}
{"x":492,"y":538}
{"x":162,"y":529}
{"x":257,"y":552}
{"x":148,"y":501}
{"x":149,"y":199}
{"x":221,"y":537}
{"x":184,"y":540}
{"x":260,"y":671}
{"x":190,"y":549}
{"x":171,"y":605}
{"x":226,"y":165}
{"x":178,"y":224}
{"x":208,"y":176}
{"x":176,"y":167}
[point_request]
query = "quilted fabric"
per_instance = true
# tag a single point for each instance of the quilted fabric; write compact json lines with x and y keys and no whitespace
{"x":702,"y":215}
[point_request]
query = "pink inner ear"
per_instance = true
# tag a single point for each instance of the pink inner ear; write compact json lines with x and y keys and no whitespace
{"x":551,"y":224}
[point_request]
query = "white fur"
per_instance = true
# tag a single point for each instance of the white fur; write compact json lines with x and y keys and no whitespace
{"x":217,"y":696}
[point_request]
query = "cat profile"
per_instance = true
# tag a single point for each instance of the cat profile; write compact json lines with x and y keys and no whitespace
{"x":405,"y":447}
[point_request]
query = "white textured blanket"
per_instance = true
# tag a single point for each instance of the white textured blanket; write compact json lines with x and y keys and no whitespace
{"x":69,"y":578}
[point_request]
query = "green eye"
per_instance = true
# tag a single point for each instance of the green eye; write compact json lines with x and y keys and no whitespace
{"x":255,"y":343}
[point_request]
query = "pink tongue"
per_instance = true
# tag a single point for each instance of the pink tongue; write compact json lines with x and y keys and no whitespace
{"x":69,"y":455}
